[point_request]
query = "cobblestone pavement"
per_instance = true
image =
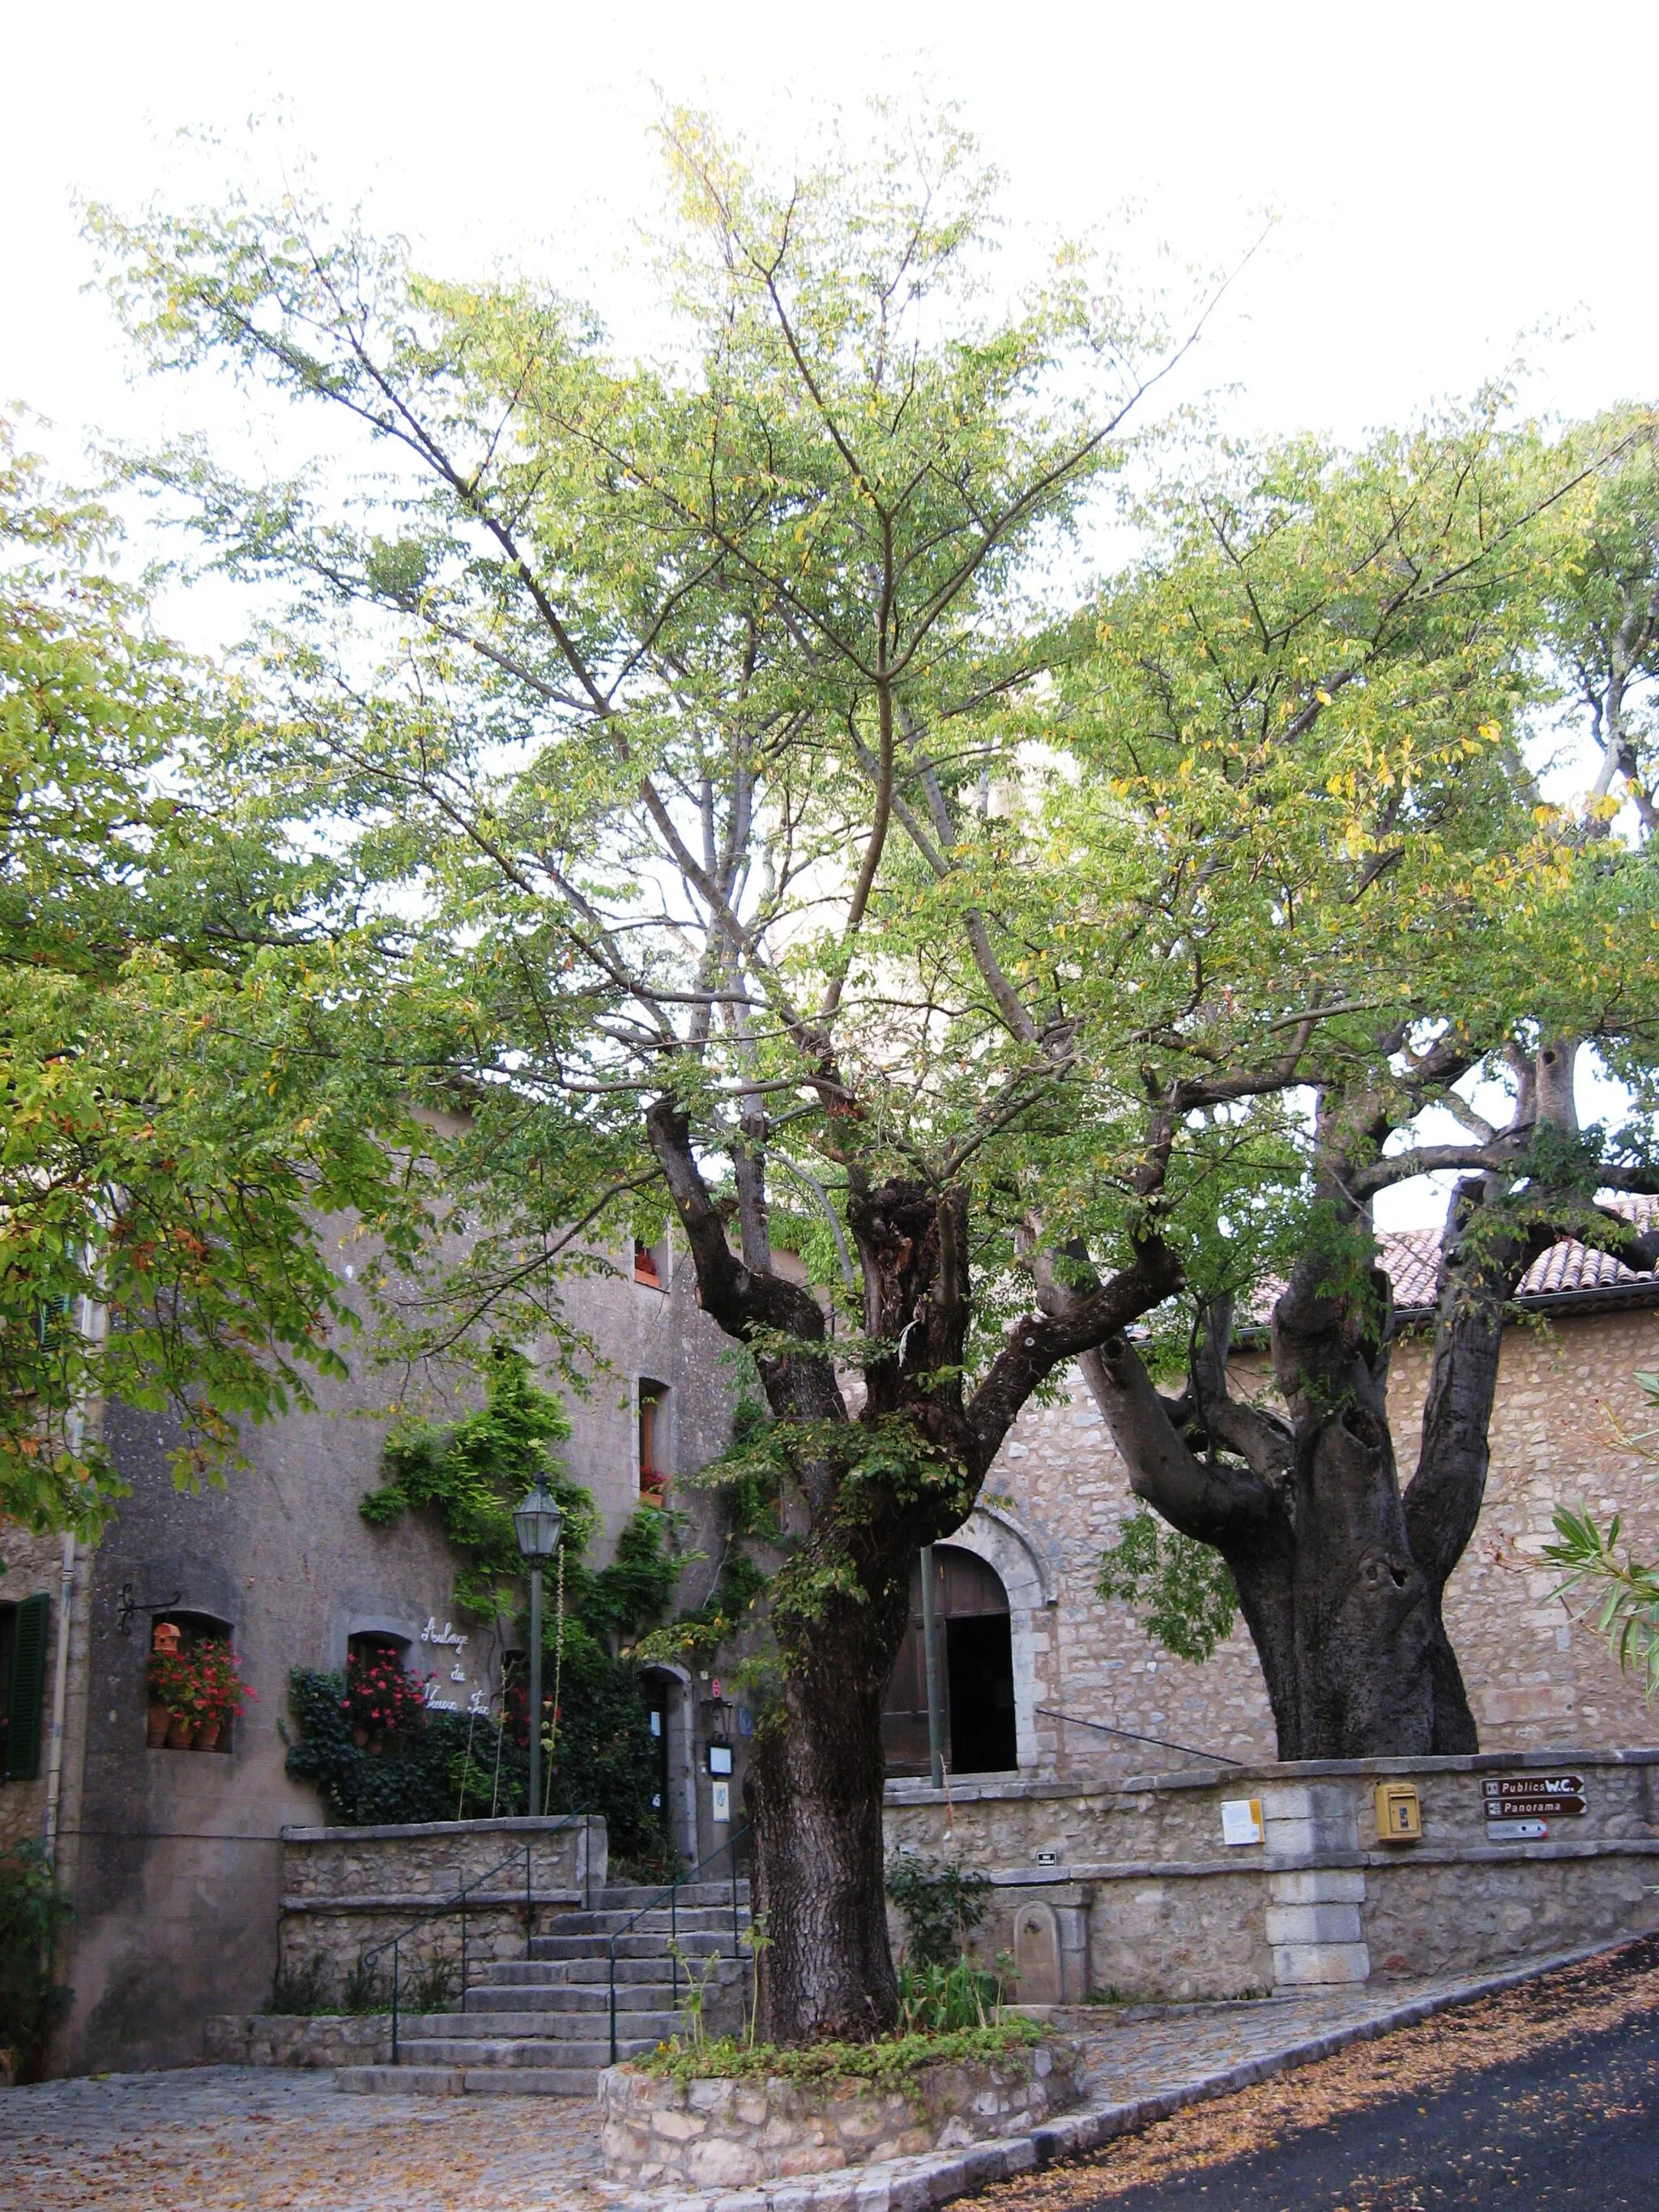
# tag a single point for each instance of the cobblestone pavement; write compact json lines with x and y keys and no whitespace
{"x":249,"y":2139}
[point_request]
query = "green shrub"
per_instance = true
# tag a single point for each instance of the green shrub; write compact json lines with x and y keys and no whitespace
{"x":887,"y":2064}
{"x":458,"y":1765}
{"x":941,"y":1904}
{"x":33,"y":1912}
{"x":937,"y":2000}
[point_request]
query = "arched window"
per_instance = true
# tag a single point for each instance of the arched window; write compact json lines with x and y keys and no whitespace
{"x":201,"y":1720}
{"x":365,"y":1646}
{"x":977,"y":1673}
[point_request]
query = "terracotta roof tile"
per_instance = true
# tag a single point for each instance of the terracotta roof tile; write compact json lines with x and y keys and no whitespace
{"x":1412,"y":1256}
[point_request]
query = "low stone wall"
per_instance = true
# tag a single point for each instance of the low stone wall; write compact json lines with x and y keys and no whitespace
{"x":1134,"y":1890}
{"x":297,"y":2039}
{"x":347,"y":1890}
{"x":726,"y":2133}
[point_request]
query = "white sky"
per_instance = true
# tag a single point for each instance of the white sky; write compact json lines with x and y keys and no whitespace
{"x":1454,"y":182}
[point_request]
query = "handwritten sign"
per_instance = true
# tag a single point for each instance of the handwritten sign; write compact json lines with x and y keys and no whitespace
{"x":445,"y":1635}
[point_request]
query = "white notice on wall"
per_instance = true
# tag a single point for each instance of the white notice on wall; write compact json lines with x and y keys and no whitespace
{"x":721,"y":1793}
{"x":1241,"y":1820}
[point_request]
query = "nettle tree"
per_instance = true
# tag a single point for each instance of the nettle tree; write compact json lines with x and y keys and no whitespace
{"x":176,"y":1110}
{"x":753,"y":849}
{"x":1603,"y":608}
{"x":1344,"y":654}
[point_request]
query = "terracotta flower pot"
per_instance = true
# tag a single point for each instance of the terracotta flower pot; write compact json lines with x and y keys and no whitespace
{"x":180,"y":1733}
{"x":157,"y":1721}
{"x":207,"y":1736}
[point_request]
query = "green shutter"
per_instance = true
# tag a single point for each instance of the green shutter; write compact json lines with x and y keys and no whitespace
{"x":28,"y":1682}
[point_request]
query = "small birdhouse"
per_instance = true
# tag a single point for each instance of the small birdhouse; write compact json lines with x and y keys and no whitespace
{"x":165,"y":1635}
{"x":1399,"y":1813}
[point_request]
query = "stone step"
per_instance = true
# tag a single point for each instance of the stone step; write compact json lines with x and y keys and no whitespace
{"x":621,"y":1897}
{"x":467,"y":2081}
{"x":654,"y":2024}
{"x":690,"y":1919}
{"x":584,"y":1973}
{"x":695,"y":1944}
{"x":581,"y":1997}
{"x":510,"y":2053}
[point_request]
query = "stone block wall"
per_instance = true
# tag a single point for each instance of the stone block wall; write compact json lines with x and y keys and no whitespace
{"x":346,"y":1891}
{"x":1566,"y":1389}
{"x":325,"y":2039}
{"x":726,"y":2133}
{"x":1134,"y":1891}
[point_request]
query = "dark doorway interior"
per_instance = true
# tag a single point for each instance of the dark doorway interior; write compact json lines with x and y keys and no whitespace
{"x":655,"y":1689}
{"x":976,"y":1668}
{"x":979,"y":1662}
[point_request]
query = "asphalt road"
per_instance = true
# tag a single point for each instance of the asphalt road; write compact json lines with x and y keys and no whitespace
{"x":1575,"y":2124}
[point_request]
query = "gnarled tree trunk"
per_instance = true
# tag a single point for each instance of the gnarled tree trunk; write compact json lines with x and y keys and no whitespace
{"x":867,"y":1488}
{"x":1341,"y":1575}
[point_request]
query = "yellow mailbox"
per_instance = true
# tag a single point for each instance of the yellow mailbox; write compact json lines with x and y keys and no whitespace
{"x":1399,"y":1813}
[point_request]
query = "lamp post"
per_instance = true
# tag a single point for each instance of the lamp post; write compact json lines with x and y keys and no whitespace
{"x":535,"y":1523}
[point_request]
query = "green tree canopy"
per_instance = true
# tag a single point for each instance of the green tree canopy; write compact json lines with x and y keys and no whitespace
{"x":177,"y":1105}
{"x":767,"y":818}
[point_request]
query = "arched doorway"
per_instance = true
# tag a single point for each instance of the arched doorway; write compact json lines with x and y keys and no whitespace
{"x":977,"y":1672}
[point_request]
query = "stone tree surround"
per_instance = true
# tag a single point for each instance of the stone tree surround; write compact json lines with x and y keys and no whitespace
{"x":1133,"y":1890}
{"x":724,"y":2134}
{"x":345,"y":1890}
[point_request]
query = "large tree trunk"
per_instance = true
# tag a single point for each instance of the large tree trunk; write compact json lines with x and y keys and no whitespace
{"x":864,"y":1489}
{"x":1341,"y":1579}
{"x":1343,"y":1618}
{"x":814,"y":1796}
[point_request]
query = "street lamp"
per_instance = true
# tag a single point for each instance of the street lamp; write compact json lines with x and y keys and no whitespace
{"x":535,"y":1523}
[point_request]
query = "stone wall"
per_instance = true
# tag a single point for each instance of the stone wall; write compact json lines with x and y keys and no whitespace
{"x":297,"y":2039}
{"x":724,"y":2134}
{"x":1133,"y":1891}
{"x":1565,"y":1390}
{"x":346,"y":1891}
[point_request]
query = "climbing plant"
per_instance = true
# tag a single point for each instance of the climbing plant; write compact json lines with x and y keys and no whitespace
{"x":600,"y":1755}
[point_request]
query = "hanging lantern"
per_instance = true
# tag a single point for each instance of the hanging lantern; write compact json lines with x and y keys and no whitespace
{"x":536,"y":1523}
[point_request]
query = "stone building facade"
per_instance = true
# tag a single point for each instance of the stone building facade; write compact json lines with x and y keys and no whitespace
{"x":1095,"y":1698}
{"x":173,"y":1858}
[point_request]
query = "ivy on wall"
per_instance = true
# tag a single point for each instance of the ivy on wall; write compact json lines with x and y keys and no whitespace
{"x":470,"y":1474}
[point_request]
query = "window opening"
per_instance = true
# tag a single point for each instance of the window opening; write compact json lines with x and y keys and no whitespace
{"x":653,"y":1442}
{"x":384,"y":1701}
{"x":190,"y":1681}
{"x":647,"y":1268}
{"x":22,"y":1686}
{"x":371,"y":1643}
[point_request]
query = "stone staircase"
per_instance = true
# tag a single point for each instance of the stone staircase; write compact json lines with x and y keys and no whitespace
{"x":541,"y":2025}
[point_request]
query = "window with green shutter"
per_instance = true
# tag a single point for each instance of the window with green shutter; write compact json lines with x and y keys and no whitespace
{"x":26,"y":1690}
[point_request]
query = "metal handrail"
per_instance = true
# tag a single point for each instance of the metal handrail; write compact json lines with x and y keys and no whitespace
{"x":1053,"y":1713}
{"x":671,"y":1891}
{"x":458,"y":1899}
